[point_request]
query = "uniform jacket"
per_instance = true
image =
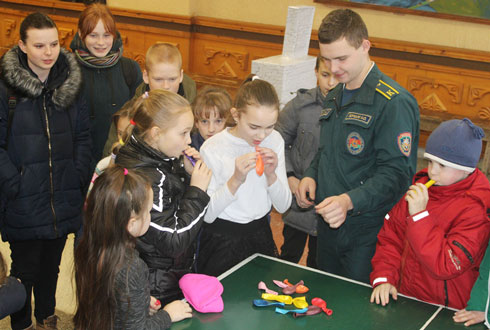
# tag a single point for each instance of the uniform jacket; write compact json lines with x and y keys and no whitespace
{"x":434,"y":255}
{"x":45,"y":165}
{"x":368,"y":147}
{"x":176,"y":217}
{"x":105,"y":91}
{"x":187,"y":89}
{"x":299,"y":126}
{"x":480,"y":300}
{"x":133,"y":298}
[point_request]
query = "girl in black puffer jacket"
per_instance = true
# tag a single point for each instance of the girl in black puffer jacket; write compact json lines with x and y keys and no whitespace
{"x":159,"y":135}
{"x":44,"y":161}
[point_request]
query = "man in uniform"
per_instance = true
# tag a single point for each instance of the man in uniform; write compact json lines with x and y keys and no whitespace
{"x":368,"y":149}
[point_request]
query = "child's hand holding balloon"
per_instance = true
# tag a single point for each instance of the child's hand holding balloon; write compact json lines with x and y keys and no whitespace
{"x":269,"y":159}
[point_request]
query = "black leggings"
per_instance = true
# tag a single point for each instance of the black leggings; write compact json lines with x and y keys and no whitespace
{"x":294,"y":245}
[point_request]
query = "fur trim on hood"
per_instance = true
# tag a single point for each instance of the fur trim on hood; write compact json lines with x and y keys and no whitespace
{"x":21,"y":79}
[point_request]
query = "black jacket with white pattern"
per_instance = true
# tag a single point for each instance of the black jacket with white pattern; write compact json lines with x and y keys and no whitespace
{"x":168,"y":247}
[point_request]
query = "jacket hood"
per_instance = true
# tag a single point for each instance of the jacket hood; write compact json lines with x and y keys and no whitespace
{"x":64,"y":78}
{"x":475,"y":186}
{"x":305,"y":97}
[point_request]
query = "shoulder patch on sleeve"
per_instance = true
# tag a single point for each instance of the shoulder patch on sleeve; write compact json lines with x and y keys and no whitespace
{"x":404,"y":141}
{"x":386,"y":90}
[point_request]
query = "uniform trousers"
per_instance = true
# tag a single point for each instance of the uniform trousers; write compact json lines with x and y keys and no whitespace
{"x":347,"y":251}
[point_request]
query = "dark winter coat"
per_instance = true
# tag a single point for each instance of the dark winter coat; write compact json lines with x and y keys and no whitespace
{"x":176,"y":217}
{"x":45,"y":155}
{"x":105,"y":90}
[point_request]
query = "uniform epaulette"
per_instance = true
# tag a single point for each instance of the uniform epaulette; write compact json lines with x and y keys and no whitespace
{"x":386,"y":90}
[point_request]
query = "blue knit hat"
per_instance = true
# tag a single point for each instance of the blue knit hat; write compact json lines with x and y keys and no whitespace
{"x":455,"y":143}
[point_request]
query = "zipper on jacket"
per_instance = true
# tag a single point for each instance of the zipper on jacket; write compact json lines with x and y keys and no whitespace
{"x":337,"y":107}
{"x":50,"y":164}
{"x":446,"y":295}
{"x":465,"y":251}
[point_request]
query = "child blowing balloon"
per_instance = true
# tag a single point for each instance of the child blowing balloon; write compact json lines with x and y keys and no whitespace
{"x":236,"y":224}
{"x":157,"y":139}
{"x":433,"y":240}
{"x":111,"y":280}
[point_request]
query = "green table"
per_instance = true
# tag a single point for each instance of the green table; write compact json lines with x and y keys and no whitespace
{"x":348,"y":299}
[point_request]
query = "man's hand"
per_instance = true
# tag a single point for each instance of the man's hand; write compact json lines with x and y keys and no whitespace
{"x":334,"y":209}
{"x":306,"y":185}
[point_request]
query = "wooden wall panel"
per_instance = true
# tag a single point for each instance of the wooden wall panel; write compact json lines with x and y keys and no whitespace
{"x":447,"y":82}
{"x":444,"y":92}
{"x":228,"y":58}
{"x":9,"y":33}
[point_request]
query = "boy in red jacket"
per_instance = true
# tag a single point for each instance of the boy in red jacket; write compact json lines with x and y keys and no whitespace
{"x":433,"y":240}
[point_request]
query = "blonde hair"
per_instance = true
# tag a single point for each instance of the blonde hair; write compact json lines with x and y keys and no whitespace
{"x":156,"y":108}
{"x":162,"y":53}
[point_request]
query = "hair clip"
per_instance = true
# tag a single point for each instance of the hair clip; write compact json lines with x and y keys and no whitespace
{"x":145,"y":95}
{"x":255,"y":77}
{"x":132,"y":122}
{"x":125,"y":171}
{"x":121,"y":142}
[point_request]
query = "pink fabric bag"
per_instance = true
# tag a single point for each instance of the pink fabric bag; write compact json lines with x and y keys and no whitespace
{"x":203,"y":292}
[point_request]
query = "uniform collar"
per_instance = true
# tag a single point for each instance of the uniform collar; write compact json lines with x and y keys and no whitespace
{"x":365,"y":93}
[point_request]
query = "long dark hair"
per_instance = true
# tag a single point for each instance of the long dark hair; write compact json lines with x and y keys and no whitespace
{"x":116,"y":196}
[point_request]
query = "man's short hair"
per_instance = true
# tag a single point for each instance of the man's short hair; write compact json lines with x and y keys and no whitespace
{"x":342,"y":23}
{"x":163,"y":53}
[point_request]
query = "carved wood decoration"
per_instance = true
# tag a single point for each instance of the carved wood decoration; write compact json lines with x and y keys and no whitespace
{"x":222,"y":61}
{"x":455,"y":90}
{"x":432,"y":103}
{"x":484,"y":113}
{"x":9,"y":32}
{"x":9,"y":27}
{"x":65,"y":35}
{"x":477,"y":93}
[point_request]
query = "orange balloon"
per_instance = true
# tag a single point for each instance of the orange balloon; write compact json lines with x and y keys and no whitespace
{"x":301,"y":289}
{"x":259,"y":165}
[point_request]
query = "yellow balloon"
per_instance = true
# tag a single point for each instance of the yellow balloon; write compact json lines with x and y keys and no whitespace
{"x":281,"y":298}
{"x":300,"y":302}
